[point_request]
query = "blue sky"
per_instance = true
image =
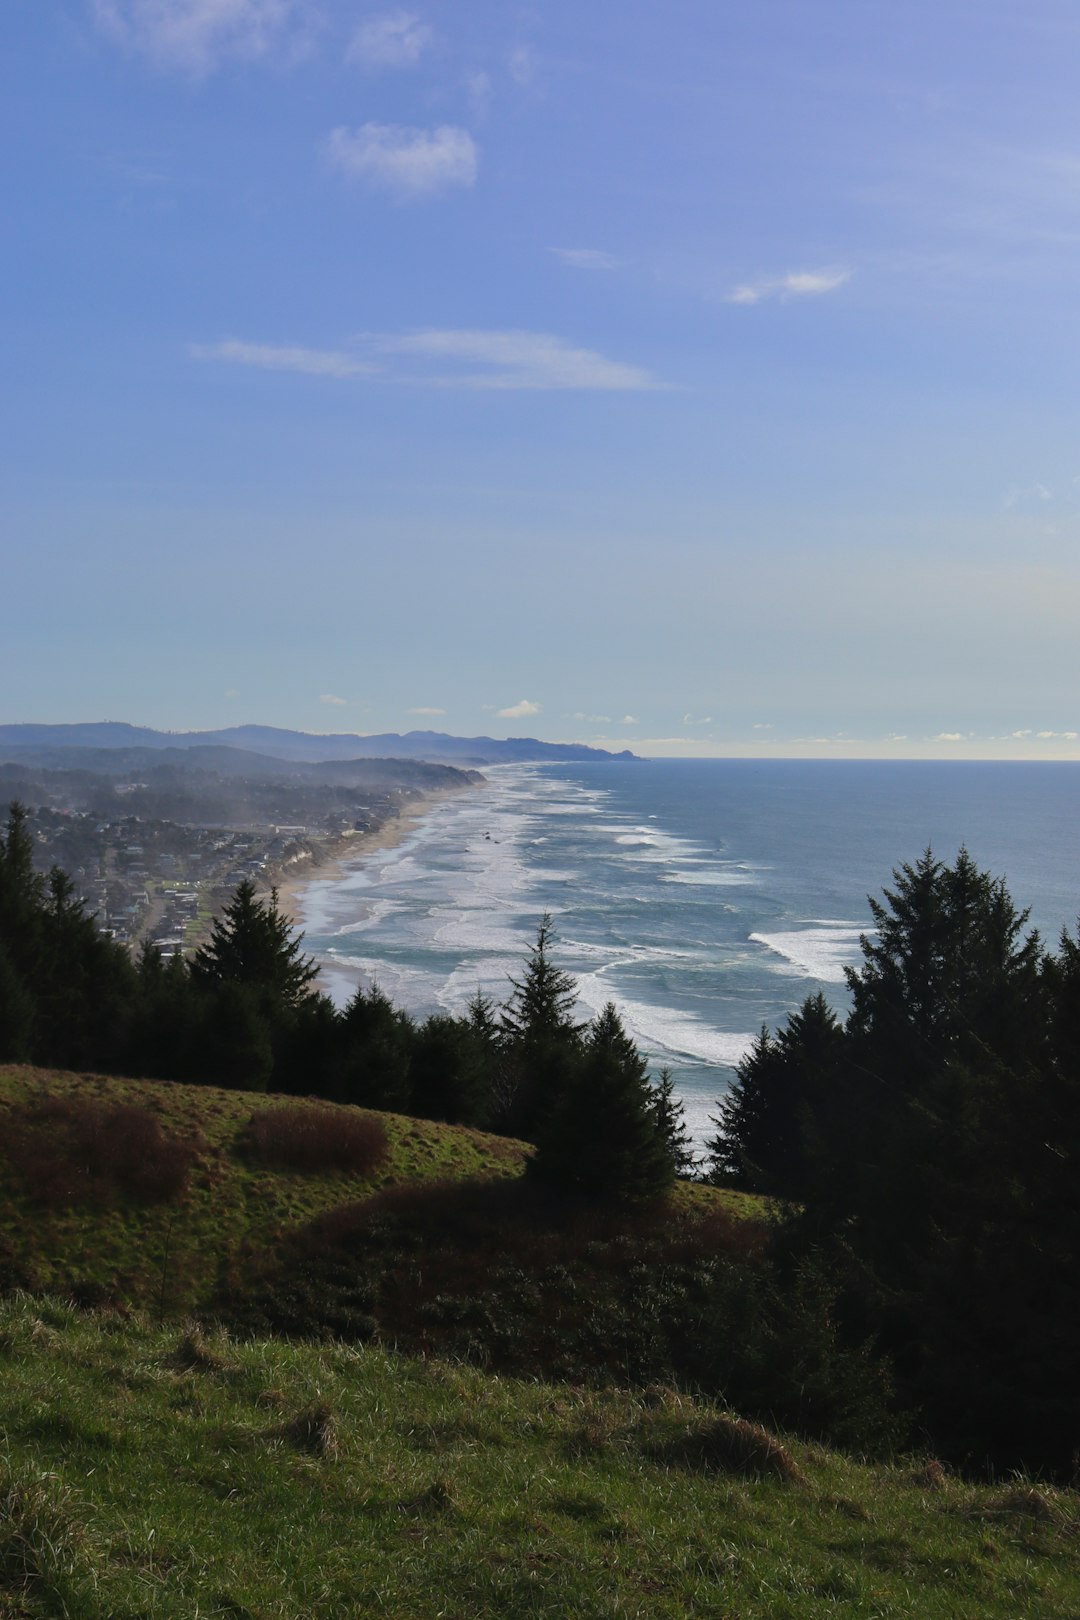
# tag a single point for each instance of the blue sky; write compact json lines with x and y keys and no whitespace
{"x":696,"y":378}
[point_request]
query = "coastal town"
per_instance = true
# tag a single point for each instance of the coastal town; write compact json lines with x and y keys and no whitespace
{"x":155,"y":878}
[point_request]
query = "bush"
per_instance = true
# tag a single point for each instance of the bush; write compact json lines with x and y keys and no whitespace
{"x":313,"y":1139}
{"x":72,"y":1150}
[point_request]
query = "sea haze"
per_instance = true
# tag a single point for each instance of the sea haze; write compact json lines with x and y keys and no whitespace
{"x":704,"y":897}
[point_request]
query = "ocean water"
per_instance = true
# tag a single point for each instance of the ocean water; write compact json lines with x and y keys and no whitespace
{"x":703,"y":897}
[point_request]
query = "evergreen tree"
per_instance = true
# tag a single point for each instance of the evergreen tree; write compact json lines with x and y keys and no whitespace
{"x":603,"y":1138}
{"x":541,"y":1040}
{"x":254,"y":945}
{"x":671,"y":1124}
{"x":781,"y":1105}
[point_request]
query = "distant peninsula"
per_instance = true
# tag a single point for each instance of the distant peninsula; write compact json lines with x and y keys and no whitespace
{"x":18,"y":741}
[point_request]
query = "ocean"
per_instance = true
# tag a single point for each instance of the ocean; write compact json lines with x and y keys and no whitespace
{"x":703,"y":897}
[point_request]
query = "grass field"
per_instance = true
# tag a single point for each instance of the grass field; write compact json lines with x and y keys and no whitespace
{"x":148,"y":1473}
{"x":231,"y":1211}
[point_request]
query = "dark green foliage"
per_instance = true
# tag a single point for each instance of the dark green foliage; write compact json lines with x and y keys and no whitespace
{"x":783,"y":1098}
{"x":521,"y":1279}
{"x":541,"y":1040}
{"x":449,"y":1072}
{"x":935,"y":1142}
{"x":671,"y":1124}
{"x":374,"y":1053}
{"x":602,"y":1137}
{"x":67,"y":990}
{"x":252,"y":944}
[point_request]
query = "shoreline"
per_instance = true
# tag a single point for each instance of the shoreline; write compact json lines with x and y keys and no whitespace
{"x":352,"y":851}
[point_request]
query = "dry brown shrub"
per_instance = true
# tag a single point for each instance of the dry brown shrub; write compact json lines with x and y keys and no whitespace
{"x":312,"y":1138}
{"x":931,"y":1476}
{"x":75,"y":1150}
{"x":1025,"y":1502}
{"x":730,"y":1445}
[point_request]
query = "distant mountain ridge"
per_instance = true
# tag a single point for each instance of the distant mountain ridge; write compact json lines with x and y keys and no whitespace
{"x":435,"y":746}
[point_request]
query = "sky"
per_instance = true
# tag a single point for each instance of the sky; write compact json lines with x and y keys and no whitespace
{"x":695,"y":378}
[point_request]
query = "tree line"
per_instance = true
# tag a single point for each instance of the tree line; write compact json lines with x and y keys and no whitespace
{"x":927,"y":1149}
{"x":246,"y":1012}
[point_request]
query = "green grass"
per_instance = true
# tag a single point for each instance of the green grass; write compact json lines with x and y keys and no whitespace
{"x":232,"y":1212}
{"x":148,"y":1473}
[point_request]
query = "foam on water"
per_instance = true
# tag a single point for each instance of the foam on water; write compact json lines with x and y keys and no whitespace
{"x":820,"y":952}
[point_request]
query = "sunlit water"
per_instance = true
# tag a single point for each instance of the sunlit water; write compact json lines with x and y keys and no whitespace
{"x":704,"y":898}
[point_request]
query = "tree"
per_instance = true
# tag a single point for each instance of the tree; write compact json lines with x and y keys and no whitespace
{"x":603,"y":1138}
{"x":254,"y":945}
{"x":781,"y":1105}
{"x":671,"y":1125}
{"x":541,"y":1039}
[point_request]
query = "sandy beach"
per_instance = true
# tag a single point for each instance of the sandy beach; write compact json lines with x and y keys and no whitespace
{"x":351,"y":851}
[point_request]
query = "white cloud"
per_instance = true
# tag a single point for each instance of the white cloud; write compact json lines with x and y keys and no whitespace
{"x":586,"y":258}
{"x":1021,"y":734}
{"x":522,"y":65}
{"x":629,"y":720}
{"x":951,"y":736}
{"x":430,"y":713}
{"x":197,"y":35}
{"x":698,"y":720}
{"x":507,"y":360}
{"x":393,"y":39}
{"x":1065,"y":736}
{"x":478,"y":89}
{"x":764,"y":725}
{"x":334,"y":702}
{"x":518,"y":360}
{"x":276,"y":357}
{"x":518,"y":711}
{"x":796,"y":284}
{"x":593,"y":719}
{"x":406,"y":161}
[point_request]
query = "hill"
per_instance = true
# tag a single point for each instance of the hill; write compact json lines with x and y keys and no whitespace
{"x":157,"y":1475}
{"x":233,"y":1211}
{"x":21,"y":741}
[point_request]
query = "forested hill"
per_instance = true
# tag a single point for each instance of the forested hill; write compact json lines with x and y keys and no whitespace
{"x":16,"y":741}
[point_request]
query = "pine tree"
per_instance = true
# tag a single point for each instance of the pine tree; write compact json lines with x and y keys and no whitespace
{"x":603,"y":1138}
{"x":541,"y":1040}
{"x":671,"y":1124}
{"x":253,"y":944}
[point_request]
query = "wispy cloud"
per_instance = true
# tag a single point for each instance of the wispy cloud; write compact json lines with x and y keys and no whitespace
{"x":284,"y":357}
{"x":516,"y":360}
{"x":518,"y":711}
{"x":428,"y":713}
{"x":796,"y":284}
{"x":586,"y":258}
{"x":197,"y":35}
{"x":1065,"y":736}
{"x":951,"y":736}
{"x":522,"y":65}
{"x":408,"y":162}
{"x":445,"y":359}
{"x":629,"y":720}
{"x":1029,"y":495}
{"x":333,"y":700}
{"x":393,"y":39}
{"x":697,"y":719}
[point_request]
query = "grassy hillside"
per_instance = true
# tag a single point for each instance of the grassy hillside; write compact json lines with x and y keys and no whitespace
{"x":158,"y":1473}
{"x":231,"y":1211}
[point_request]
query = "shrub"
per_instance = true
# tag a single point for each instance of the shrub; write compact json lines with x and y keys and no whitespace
{"x":730,"y":1445}
{"x":74,"y":1150}
{"x":314,"y":1138}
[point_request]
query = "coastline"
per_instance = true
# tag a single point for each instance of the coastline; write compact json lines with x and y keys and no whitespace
{"x":351,"y":851}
